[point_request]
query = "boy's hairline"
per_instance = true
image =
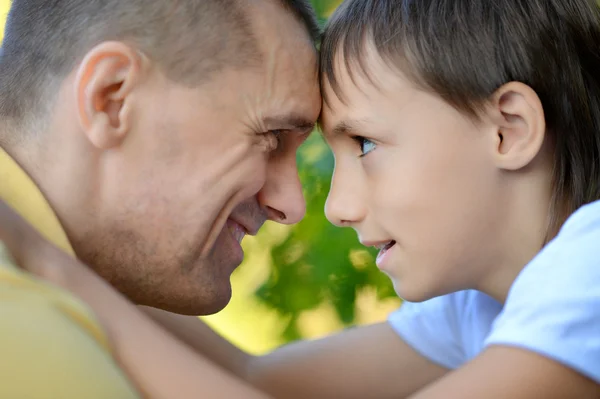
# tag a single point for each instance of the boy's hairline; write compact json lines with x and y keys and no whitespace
{"x":355,"y":64}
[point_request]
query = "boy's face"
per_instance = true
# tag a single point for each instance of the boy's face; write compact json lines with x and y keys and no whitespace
{"x":416,"y":175}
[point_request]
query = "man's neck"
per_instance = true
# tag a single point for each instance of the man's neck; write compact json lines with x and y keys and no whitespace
{"x":21,"y":193}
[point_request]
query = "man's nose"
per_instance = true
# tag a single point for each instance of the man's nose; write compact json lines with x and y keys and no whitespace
{"x":345,"y":205}
{"x":282,"y":195}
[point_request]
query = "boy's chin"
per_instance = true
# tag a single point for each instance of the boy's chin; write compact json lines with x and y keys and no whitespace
{"x":412,"y":291}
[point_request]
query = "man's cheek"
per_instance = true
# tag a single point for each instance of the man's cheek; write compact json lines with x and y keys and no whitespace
{"x":241,"y":172}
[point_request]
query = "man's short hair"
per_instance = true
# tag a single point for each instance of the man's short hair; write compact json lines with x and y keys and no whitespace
{"x":188,"y":39}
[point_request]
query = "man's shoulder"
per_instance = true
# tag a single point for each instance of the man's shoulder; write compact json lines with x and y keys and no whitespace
{"x":49,"y":337}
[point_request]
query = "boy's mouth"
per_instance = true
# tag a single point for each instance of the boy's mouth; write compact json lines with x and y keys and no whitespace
{"x":384,"y":247}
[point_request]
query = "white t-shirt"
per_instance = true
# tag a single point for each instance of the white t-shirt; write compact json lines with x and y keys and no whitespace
{"x":552,"y":308}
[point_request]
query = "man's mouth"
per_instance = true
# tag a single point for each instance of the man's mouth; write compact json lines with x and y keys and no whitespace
{"x":238,"y":232}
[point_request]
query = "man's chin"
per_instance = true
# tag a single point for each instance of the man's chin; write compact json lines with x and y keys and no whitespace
{"x":213,"y":307}
{"x":195,"y":305}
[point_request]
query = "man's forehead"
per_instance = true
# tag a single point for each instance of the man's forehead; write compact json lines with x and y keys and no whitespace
{"x":292,"y":95}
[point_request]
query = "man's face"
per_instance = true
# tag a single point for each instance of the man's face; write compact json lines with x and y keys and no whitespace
{"x":201,"y":168}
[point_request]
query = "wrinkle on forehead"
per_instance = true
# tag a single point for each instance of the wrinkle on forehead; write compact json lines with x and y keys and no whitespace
{"x":287,"y":80}
{"x":285,"y":44}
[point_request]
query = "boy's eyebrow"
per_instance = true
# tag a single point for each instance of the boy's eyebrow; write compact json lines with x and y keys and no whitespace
{"x":347,"y":126}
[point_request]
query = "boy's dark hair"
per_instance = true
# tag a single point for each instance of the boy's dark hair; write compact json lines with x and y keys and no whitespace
{"x":464,"y":50}
{"x":189,"y":39}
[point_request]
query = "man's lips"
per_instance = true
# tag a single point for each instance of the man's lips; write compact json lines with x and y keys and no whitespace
{"x":250,"y":227}
{"x":237,"y":230}
{"x":240,"y":229}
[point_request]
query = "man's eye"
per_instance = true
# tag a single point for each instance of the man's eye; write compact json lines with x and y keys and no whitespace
{"x":366,"y":145}
{"x":277,"y":133}
{"x":274,"y":139}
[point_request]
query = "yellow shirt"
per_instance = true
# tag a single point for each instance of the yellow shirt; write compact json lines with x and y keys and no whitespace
{"x":51,"y":346}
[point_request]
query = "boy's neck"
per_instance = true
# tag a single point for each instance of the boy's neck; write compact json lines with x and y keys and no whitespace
{"x":524,"y":235}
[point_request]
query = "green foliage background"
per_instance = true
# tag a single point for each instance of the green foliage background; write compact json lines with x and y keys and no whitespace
{"x":319,"y":278}
{"x":301,"y":281}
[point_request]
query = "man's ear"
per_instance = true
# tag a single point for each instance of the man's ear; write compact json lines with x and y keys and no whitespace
{"x":517,"y":112}
{"x":105,"y":80}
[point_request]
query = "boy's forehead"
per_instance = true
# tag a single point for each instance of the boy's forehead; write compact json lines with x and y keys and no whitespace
{"x":364,"y":75}
{"x":356,"y":95}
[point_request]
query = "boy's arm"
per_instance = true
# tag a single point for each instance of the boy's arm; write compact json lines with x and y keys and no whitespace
{"x":159,"y":365}
{"x":362,"y":362}
{"x":365,"y":362}
{"x":511,"y":373}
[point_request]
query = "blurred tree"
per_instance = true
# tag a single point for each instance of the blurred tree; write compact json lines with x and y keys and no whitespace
{"x":319,"y":262}
{"x":307,"y":280}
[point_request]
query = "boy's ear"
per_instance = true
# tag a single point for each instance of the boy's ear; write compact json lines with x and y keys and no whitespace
{"x":518,"y":114}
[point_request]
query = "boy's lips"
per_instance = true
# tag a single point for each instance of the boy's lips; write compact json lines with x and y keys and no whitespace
{"x":380,"y":244}
{"x":385,"y":247}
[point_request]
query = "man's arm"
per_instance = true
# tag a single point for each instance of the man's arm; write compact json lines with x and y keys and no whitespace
{"x":361,"y":362}
{"x":510,"y":373}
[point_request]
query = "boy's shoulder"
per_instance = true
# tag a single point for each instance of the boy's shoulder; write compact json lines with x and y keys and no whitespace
{"x":569,"y":261}
{"x":584,"y":221}
{"x":553,"y":307}
{"x":559,"y":289}
{"x":448,"y":330}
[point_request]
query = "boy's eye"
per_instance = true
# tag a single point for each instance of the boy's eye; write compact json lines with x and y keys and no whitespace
{"x":366,"y":145}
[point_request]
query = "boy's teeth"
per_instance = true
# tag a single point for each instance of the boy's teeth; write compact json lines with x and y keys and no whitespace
{"x":384,"y":245}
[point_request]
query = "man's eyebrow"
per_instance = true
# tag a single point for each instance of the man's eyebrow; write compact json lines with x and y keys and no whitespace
{"x":291,"y":122}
